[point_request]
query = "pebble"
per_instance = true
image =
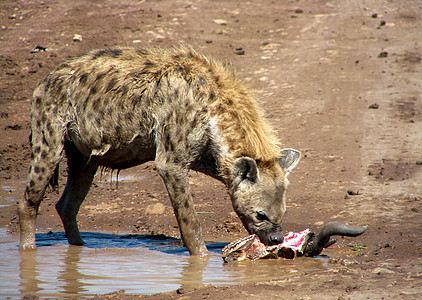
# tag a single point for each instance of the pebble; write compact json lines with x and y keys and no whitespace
{"x":352,"y":193}
{"x":383,"y":54}
{"x":381,"y":271}
{"x":240,"y":52}
{"x":77,"y":37}
{"x":155,"y":209}
{"x":220,"y":21}
{"x":39,"y":49}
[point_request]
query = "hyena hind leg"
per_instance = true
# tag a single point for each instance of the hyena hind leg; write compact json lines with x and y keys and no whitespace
{"x":44,"y":163}
{"x":81,"y":173}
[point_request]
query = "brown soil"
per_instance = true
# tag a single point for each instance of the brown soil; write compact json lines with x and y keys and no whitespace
{"x":340,"y":81}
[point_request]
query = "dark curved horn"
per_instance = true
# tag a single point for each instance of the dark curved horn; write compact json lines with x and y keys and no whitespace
{"x":322,"y":239}
{"x":336,"y":228}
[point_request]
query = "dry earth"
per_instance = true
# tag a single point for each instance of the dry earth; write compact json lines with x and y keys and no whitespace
{"x":340,"y":81}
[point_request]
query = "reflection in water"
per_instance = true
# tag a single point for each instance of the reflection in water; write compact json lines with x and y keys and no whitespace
{"x":70,"y":275}
{"x":192,"y":272}
{"x":137,"y":264}
{"x":29,"y":282}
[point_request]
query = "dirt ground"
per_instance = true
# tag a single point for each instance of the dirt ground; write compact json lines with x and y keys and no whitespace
{"x":340,"y":81}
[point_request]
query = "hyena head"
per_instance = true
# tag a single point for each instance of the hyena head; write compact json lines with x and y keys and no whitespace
{"x":258,"y":194}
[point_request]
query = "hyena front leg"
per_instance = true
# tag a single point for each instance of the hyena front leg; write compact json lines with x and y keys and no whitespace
{"x":176,"y":179}
{"x":81,"y":173}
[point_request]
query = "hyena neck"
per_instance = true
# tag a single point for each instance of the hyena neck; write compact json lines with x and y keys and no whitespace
{"x":239,"y":129}
{"x":222,"y":157}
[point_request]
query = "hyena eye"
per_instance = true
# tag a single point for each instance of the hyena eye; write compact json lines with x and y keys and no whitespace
{"x":261,"y":216}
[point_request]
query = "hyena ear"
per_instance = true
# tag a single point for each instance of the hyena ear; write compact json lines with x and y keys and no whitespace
{"x":288,"y":160}
{"x":245,"y":168}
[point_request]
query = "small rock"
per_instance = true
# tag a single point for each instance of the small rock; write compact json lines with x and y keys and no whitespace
{"x":373,"y":106}
{"x":386,"y":245}
{"x":375,"y":15}
{"x":77,"y":37}
{"x":155,"y":209}
{"x":383,"y":54}
{"x":14,"y":127}
{"x":39,"y":49}
{"x":382,"y":23}
{"x":159,"y":38}
{"x":299,"y":11}
{"x":381,"y":271}
{"x":220,"y":21}
{"x":352,"y":193}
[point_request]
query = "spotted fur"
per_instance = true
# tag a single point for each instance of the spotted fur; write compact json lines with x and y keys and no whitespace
{"x":121,"y":107}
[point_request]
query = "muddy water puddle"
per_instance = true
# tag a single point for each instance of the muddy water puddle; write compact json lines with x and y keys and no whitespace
{"x":138,"y":264}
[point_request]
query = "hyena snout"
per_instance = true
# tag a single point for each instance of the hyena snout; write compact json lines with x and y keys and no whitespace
{"x":272,"y":236}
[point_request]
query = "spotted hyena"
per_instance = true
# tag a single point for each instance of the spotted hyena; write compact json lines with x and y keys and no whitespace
{"x":122,"y":107}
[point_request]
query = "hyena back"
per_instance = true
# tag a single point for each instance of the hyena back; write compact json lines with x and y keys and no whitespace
{"x":122,"y":107}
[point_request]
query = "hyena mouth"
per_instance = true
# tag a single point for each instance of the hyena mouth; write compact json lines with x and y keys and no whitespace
{"x":272,"y":236}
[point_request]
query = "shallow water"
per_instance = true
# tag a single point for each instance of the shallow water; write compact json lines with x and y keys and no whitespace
{"x":136,"y":263}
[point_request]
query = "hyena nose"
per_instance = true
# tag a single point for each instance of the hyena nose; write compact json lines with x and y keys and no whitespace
{"x":275,"y":239}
